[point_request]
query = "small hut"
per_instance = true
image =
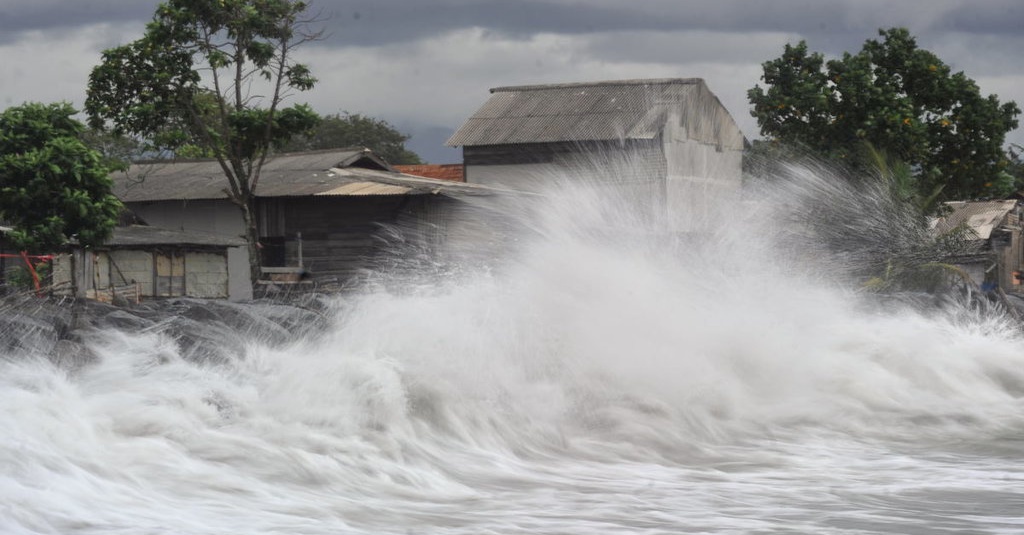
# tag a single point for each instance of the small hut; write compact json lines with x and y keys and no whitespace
{"x":141,"y":262}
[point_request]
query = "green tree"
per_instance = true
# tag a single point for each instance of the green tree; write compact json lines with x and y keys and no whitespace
{"x":118,"y":151}
{"x":52,"y":186}
{"x":210,"y":77}
{"x":355,"y":130}
{"x":894,"y":96}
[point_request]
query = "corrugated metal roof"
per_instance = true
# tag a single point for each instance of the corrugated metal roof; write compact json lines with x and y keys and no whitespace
{"x":982,"y":217}
{"x":286,"y":175}
{"x":367,"y":188}
{"x":418,"y":185}
{"x":141,"y":235}
{"x":599,"y":111}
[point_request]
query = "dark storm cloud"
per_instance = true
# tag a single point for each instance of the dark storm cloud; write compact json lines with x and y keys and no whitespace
{"x":368,"y":23}
{"x":642,"y":31}
{"x":374,"y":22}
{"x":990,"y":17}
{"x":17,"y":16}
{"x":838,"y":26}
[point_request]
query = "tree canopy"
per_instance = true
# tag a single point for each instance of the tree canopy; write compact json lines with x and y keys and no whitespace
{"x":897,"y":98}
{"x":211,"y":77}
{"x":118,"y":152}
{"x":52,"y":186}
{"x":354,"y":130}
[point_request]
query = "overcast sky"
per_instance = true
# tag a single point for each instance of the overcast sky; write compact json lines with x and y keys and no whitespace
{"x":426,"y":65}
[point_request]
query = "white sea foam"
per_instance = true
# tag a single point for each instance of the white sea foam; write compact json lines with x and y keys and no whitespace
{"x":598,"y":380}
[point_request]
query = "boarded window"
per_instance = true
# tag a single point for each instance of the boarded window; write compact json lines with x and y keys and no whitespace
{"x":170,"y":275}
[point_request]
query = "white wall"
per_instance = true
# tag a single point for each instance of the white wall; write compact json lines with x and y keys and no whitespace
{"x":702,"y":181}
{"x":526,"y":177}
{"x":239,"y":276}
{"x":704,"y":166}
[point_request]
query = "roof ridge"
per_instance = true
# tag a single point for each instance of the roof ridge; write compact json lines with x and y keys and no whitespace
{"x":633,"y":81}
{"x":270,"y":156}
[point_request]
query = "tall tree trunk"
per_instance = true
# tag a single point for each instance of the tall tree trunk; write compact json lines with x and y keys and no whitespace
{"x":252,"y":237}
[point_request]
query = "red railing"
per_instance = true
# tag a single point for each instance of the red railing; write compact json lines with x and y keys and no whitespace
{"x":40,"y":259}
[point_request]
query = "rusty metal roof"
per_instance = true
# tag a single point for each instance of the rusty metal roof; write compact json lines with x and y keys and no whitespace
{"x":981,"y":217}
{"x":450,"y":171}
{"x":599,"y":111}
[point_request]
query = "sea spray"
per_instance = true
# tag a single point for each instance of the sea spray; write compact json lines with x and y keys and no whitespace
{"x":600,"y":375}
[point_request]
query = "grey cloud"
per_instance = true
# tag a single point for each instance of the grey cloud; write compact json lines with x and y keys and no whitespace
{"x":375,"y":22}
{"x":607,"y":37}
{"x":18,"y":16}
{"x":365,"y":22}
{"x":837,"y":25}
{"x":686,"y":47}
{"x":988,"y":17}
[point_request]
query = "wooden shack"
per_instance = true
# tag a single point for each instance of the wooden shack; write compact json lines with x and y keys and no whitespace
{"x":142,"y":262}
{"x":332,"y":215}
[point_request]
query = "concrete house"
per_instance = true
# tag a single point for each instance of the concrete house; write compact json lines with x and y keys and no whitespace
{"x":667,"y":144}
{"x":140,"y":262}
{"x":337,"y":214}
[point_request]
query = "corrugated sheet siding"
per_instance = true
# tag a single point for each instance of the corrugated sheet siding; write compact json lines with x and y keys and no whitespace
{"x":341,"y":237}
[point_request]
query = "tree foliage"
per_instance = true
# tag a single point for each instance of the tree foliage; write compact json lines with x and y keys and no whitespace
{"x":898,"y":98}
{"x":118,"y":151}
{"x":355,"y":130}
{"x":209,"y":77}
{"x":52,"y":186}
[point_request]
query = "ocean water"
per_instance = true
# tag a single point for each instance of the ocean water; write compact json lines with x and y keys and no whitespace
{"x":602,"y":378}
